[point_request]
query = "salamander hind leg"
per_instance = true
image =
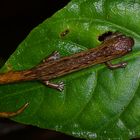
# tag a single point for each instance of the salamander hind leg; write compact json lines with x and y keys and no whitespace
{"x":54,"y":56}
{"x":12,"y":114}
{"x":115,"y":66}
{"x":59,"y":86}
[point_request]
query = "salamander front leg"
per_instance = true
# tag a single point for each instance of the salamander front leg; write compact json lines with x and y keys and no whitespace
{"x":59,"y":86}
{"x":115,"y":66}
{"x":12,"y":114}
{"x":54,"y":56}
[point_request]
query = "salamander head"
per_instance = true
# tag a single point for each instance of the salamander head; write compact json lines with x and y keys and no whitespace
{"x":121,"y":44}
{"x":124,"y":43}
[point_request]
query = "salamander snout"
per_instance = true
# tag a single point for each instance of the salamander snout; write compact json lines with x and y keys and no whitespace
{"x":130,"y":43}
{"x":126,"y":43}
{"x":123,"y":44}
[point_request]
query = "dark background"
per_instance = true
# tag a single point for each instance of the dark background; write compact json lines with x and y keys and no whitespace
{"x":17,"y":19}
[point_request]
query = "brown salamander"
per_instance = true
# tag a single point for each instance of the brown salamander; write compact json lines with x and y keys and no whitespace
{"x":112,"y":47}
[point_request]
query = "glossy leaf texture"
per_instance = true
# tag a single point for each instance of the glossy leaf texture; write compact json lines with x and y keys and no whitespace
{"x":97,"y":103}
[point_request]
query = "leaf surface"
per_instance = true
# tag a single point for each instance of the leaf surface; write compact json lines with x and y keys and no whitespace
{"x":97,"y":103}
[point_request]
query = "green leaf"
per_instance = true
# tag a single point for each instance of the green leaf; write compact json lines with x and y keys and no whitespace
{"x":96,"y":102}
